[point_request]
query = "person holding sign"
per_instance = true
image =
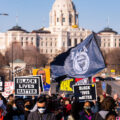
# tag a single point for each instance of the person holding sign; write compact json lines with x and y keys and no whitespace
{"x":45,"y":84}
{"x":41,"y":113}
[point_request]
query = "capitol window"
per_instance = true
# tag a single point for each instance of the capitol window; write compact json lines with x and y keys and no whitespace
{"x":41,"y":43}
{"x":104,"y":44}
{"x":69,"y":42}
{"x":51,"y":44}
{"x":32,"y":38}
{"x":26,"y":38}
{"x":63,"y":43}
{"x":57,"y":19}
{"x":63,"y":19}
{"x":22,"y":42}
{"x":75,"y":42}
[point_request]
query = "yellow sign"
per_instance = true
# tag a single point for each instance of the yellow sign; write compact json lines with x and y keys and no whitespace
{"x":112,"y":71}
{"x":66,"y":85}
{"x":47,"y":71}
{"x":34,"y":71}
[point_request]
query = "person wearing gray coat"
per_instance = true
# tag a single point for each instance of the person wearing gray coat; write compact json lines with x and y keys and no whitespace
{"x":41,"y":113}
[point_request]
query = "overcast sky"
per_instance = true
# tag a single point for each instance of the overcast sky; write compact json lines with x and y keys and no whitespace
{"x":34,"y":14}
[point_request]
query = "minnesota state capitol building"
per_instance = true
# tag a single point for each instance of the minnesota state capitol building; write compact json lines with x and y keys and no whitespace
{"x":63,"y":32}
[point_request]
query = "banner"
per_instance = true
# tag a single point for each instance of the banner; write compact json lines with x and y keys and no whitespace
{"x":45,"y":73}
{"x":85,"y":92}
{"x":66,"y":85}
{"x":26,"y":86}
{"x":2,"y":79}
{"x":82,"y":61}
{"x":8,"y":89}
{"x":83,"y":81}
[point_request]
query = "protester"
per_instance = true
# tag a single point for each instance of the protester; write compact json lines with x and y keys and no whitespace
{"x":76,"y":108}
{"x":67,"y":108}
{"x":111,"y":116}
{"x":58,"y":107}
{"x":41,"y":113}
{"x":27,"y":107}
{"x":107,"y":105}
{"x":86,"y":114}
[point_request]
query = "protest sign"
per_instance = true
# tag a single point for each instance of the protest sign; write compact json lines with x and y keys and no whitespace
{"x":8,"y":89}
{"x":85,"y":92}
{"x":82,"y":81}
{"x":2,"y":79}
{"x":26,"y":86}
{"x":45,"y":73}
{"x":41,"y":82}
{"x":66,"y":85}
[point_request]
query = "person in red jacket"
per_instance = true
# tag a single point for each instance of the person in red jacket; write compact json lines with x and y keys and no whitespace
{"x":1,"y":116}
{"x":67,"y":108}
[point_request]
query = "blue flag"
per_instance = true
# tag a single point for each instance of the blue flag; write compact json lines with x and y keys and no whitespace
{"x":82,"y":61}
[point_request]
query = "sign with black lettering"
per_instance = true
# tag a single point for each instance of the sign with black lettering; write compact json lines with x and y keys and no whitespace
{"x":2,"y":83}
{"x":85,"y":92}
{"x":41,"y":82}
{"x":26,"y":86}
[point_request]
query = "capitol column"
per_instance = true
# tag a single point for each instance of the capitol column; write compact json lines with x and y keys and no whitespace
{"x":61,"y":17}
{"x":54,"y":18}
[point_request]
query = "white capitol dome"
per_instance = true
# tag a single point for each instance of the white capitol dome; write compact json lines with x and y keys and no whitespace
{"x":63,"y":5}
{"x":63,"y":15}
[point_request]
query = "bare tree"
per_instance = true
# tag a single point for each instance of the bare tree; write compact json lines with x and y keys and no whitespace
{"x":33,"y":57}
{"x":14,"y":52}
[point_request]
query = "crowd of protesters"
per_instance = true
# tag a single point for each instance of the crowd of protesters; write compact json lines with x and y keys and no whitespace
{"x":58,"y":107}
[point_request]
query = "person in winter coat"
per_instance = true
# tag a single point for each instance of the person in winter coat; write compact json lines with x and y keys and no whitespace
{"x":41,"y":113}
{"x":76,"y":107}
{"x":67,"y":108}
{"x":86,"y":114}
{"x":107,"y":105}
{"x":111,"y":116}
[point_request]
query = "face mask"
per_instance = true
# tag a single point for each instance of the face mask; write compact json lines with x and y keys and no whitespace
{"x":41,"y":110}
{"x":1,"y":102}
{"x":87,"y":108}
{"x":14,"y":108}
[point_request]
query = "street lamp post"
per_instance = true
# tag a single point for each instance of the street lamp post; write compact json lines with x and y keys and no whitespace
{"x":13,"y":59}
